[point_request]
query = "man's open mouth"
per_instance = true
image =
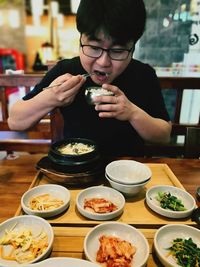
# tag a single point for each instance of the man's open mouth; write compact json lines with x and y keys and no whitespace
{"x":101,"y":73}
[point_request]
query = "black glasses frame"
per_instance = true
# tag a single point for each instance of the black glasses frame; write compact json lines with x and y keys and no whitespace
{"x":107,"y":51}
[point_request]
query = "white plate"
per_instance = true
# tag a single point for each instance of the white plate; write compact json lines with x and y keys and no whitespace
{"x":124,"y":232}
{"x":54,"y":190}
{"x":166,"y":234}
{"x":36,"y":225}
{"x":187,"y":200}
{"x":100,"y":192}
{"x":63,"y":262}
{"x":128,"y":172}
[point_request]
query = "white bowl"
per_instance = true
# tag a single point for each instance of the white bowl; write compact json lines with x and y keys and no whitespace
{"x":63,"y":262}
{"x":128,"y":172}
{"x":100,"y":192}
{"x":33,"y":223}
{"x":127,"y":190}
{"x":166,"y":234}
{"x":122,"y":231}
{"x":57,"y":191}
{"x":187,"y":200}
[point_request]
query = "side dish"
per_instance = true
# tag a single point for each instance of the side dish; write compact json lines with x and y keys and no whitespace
{"x":115,"y":252}
{"x":75,"y":149}
{"x":185,"y":252}
{"x":99,"y":205}
{"x":168,"y":201}
{"x":22,"y":245}
{"x":45,"y":202}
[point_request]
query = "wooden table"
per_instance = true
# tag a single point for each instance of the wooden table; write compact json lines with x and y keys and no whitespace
{"x":16,"y":176}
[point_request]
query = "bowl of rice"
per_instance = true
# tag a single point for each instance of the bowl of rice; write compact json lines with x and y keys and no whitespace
{"x":74,"y":152}
{"x":91,"y":92}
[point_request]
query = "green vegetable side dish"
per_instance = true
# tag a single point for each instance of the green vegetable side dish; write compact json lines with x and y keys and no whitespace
{"x":185,"y":252}
{"x":168,"y":201}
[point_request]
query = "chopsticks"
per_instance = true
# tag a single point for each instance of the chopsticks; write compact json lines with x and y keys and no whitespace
{"x":58,"y":84}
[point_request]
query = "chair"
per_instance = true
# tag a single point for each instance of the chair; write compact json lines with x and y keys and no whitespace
{"x":38,"y":137}
{"x":192,"y":143}
{"x":174,"y":149}
{"x":57,"y":125}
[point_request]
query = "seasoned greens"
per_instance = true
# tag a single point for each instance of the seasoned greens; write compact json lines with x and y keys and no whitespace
{"x":168,"y":201}
{"x":186,"y":252}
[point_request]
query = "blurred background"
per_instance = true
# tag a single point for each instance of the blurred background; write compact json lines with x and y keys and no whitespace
{"x":45,"y":30}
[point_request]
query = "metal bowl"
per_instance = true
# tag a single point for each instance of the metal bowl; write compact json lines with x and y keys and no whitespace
{"x":93,"y":91}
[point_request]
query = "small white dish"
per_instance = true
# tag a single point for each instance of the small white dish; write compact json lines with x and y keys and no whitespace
{"x":166,"y":234}
{"x":107,"y":193}
{"x":127,"y":190}
{"x":33,"y":223}
{"x":128,"y":172}
{"x":187,"y":200}
{"x":56,"y":191}
{"x":63,"y":262}
{"x":122,"y":231}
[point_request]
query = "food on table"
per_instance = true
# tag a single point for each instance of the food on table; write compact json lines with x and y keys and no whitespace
{"x":22,"y":245}
{"x":45,"y":202}
{"x":168,"y":201}
{"x":75,"y":149}
{"x":99,"y":205}
{"x":115,"y":252}
{"x":185,"y":252}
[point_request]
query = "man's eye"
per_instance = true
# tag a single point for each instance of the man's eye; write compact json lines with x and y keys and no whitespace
{"x":95,"y":48}
{"x":117,"y":51}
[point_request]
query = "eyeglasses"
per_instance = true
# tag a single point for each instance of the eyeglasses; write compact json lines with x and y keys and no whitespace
{"x":114,"y":53}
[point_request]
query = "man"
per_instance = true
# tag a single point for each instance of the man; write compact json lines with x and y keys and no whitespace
{"x":120,"y":124}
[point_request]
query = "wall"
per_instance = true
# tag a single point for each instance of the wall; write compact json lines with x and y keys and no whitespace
{"x":13,"y":37}
{"x":65,"y":39}
{"x":162,"y":45}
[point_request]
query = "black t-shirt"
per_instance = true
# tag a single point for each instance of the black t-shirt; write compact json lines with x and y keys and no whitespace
{"x":114,"y":137}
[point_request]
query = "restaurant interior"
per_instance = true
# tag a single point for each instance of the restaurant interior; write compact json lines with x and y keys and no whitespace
{"x":35,"y":34}
{"x":63,"y":209}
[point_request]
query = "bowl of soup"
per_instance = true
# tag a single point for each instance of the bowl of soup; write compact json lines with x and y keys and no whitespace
{"x":74,"y":154}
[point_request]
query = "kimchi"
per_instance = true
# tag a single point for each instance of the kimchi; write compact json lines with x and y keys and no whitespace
{"x":99,"y":205}
{"x":114,"y":252}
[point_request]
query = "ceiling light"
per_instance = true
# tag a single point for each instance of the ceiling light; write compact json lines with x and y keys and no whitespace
{"x":74,"y":5}
{"x":14,"y":18}
{"x":54,"y":9}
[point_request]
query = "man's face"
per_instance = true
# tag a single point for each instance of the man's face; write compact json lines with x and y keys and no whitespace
{"x":106,"y":68}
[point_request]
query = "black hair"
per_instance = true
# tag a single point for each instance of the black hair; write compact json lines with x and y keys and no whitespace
{"x":122,"y":20}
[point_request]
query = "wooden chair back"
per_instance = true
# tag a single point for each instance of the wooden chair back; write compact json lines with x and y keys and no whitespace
{"x":180,"y":84}
{"x":57,"y":125}
{"x":192,"y":143}
{"x":174,"y":149}
{"x":39,"y":136}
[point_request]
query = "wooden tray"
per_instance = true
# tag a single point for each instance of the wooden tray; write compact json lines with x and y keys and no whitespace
{"x":136,"y":211}
{"x":69,"y":241}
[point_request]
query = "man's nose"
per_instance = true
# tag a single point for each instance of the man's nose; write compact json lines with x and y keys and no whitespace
{"x":104,"y":59}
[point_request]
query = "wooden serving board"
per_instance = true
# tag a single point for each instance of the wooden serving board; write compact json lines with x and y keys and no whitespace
{"x":69,"y":242}
{"x":136,"y":211}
